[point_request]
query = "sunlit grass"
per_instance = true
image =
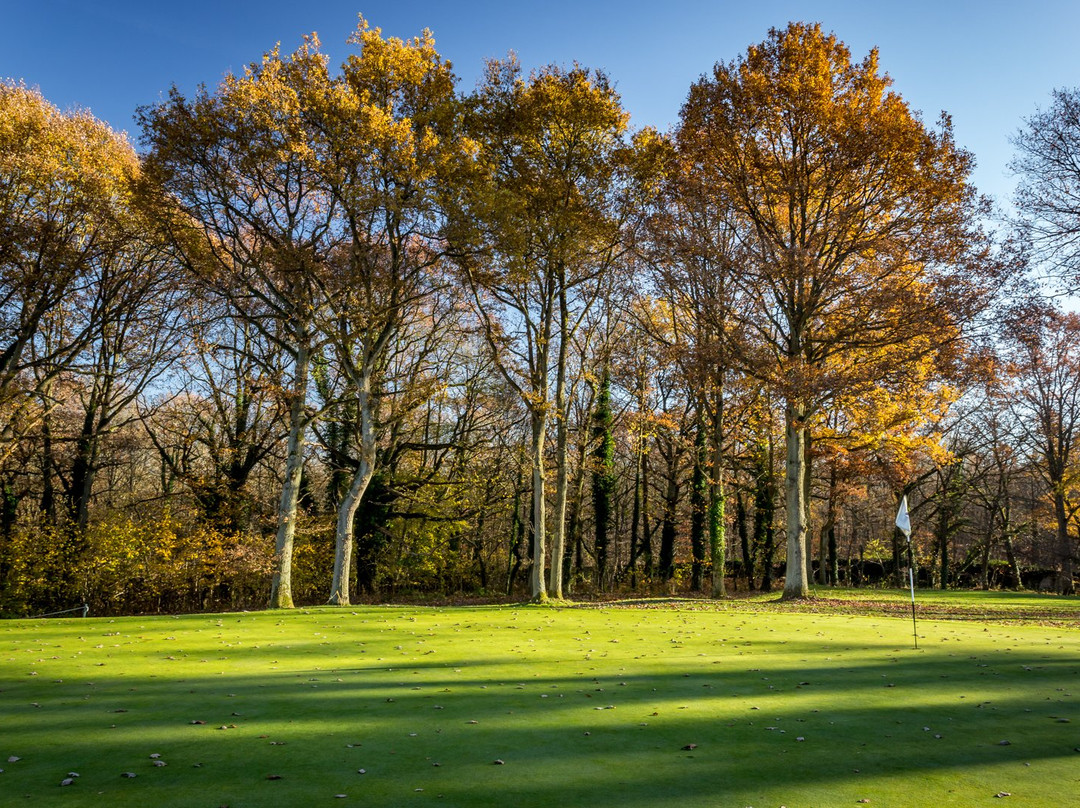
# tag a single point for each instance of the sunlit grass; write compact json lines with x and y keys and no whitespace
{"x":583,"y":706}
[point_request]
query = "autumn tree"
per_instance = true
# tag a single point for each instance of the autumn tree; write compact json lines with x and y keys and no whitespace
{"x":66,"y":187}
{"x":383,"y":135}
{"x":858,"y":224}
{"x":1045,"y":395}
{"x":256,"y":225}
{"x":693,"y":246}
{"x":538,"y":227}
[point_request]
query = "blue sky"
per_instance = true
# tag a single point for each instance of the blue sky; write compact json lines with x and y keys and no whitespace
{"x":988,"y":63}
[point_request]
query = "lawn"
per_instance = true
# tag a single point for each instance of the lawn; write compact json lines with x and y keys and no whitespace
{"x":640,"y":703}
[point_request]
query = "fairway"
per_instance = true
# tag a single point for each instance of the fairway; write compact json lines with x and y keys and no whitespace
{"x":645,"y":704}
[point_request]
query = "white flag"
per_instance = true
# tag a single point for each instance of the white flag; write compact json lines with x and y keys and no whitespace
{"x":903,"y":521}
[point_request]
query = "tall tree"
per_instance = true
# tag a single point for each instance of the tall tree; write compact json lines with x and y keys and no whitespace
{"x":858,"y":224}
{"x":383,"y":134}
{"x":67,"y":183}
{"x":255,"y":225}
{"x":1046,"y":396}
{"x":539,"y":227}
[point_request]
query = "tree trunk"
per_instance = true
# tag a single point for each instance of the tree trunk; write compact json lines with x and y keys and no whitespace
{"x":717,"y":501}
{"x":668,"y":529}
{"x":635,"y":516}
{"x":281,"y":584}
{"x":796,"y":584}
{"x":343,"y":536}
{"x":699,"y":507}
{"x":1064,"y":543}
{"x":573,"y":543}
{"x":539,"y":515}
{"x":744,"y":540}
{"x":646,"y":529}
{"x":834,"y":559}
{"x":1007,"y":541}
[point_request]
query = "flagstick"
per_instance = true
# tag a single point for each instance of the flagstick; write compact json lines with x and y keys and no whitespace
{"x":903,"y":523}
{"x":911,"y":579}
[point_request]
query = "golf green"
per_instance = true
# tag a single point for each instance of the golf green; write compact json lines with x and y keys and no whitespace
{"x":646,"y":704}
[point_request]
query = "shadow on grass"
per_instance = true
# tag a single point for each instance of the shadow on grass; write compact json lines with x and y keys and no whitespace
{"x":599,"y":732}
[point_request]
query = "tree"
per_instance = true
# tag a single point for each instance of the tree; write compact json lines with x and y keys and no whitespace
{"x":858,"y":224}
{"x":1045,"y":395}
{"x":255,"y":225}
{"x":67,"y":183}
{"x":537,"y":228}
{"x":694,"y":249}
{"x":1048,"y":192}
{"x":384,"y":134}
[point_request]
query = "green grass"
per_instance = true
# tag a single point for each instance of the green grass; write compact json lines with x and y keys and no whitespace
{"x":798,"y":705}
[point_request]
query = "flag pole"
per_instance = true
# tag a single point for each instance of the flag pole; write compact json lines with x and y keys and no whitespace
{"x":903,"y":522}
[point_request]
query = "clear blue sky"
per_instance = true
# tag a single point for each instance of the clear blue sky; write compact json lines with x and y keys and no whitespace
{"x":987,"y":63}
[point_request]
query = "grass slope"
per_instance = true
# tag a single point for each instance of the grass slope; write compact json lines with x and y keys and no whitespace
{"x":805,"y":705}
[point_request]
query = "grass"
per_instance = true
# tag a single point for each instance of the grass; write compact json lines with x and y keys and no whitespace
{"x":643,"y":703}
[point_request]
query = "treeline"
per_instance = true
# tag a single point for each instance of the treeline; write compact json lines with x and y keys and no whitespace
{"x":355,"y":332}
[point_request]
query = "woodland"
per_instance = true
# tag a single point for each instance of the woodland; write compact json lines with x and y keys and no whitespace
{"x":351,"y":332}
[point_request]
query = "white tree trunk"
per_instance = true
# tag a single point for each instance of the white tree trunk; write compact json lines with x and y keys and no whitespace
{"x":558,"y":527}
{"x":539,"y":425}
{"x":343,"y":538}
{"x":281,"y":585}
{"x":339,"y":595}
{"x":796,"y":584}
